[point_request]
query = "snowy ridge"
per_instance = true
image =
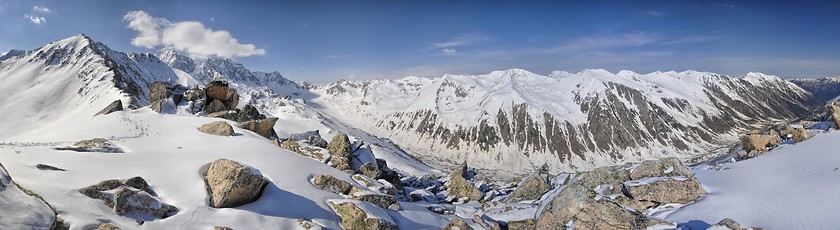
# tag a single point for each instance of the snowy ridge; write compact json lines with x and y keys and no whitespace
{"x":517,"y":120}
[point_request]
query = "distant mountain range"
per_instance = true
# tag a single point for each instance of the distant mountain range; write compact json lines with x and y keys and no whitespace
{"x":510,"y":120}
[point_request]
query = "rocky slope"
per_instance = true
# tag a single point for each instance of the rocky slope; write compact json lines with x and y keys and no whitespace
{"x":824,"y":89}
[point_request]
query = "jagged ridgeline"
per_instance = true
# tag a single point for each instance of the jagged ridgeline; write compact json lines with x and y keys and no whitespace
{"x":511,"y":120}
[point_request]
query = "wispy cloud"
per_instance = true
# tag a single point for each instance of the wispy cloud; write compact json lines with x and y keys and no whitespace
{"x":337,"y":56}
{"x":35,"y":19}
{"x":654,"y":13}
{"x":462,"y":40}
{"x":691,"y":39}
{"x":613,"y":41}
{"x":41,"y":9}
{"x":190,"y":36}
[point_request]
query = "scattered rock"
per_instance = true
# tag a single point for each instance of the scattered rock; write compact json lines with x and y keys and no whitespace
{"x":307,"y":151}
{"x":113,"y":107}
{"x":371,"y":171}
{"x":801,"y":134}
{"x":48,"y":167}
{"x":533,"y":188}
{"x":381,"y":200}
{"x":311,"y":137}
{"x":361,"y":215}
{"x":329,"y":183}
{"x":107,"y":226}
{"x":129,"y":200}
{"x":232,"y":184}
{"x":457,"y":224}
{"x":521,"y":224}
{"x":128,"y":197}
{"x":219,"y":128}
{"x":93,"y":145}
{"x":158,"y":91}
{"x":460,"y":187}
{"x":381,"y":186}
{"x":756,"y":141}
{"x":264,"y":127}
{"x":341,"y":151}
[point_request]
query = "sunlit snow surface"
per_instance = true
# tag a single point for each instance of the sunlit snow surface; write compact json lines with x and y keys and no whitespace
{"x":794,"y":187}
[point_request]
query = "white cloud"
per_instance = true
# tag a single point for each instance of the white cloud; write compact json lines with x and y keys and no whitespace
{"x":40,"y":9}
{"x":462,"y":40}
{"x":692,"y":39}
{"x":189,"y":36}
{"x":337,"y":56}
{"x":654,"y":13}
{"x":35,"y":19}
{"x":448,"y":52}
{"x":616,"y":41}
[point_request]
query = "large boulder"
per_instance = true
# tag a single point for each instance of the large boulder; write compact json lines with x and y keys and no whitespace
{"x":341,"y":151}
{"x":216,"y":90}
{"x":166,"y":105}
{"x":370,"y":170}
{"x":361,"y":215}
{"x":304,"y":150}
{"x":93,"y":145}
{"x":801,"y":134}
{"x":458,"y":224}
{"x":248,"y":113}
{"x":214,"y":106}
{"x":532,"y":188}
{"x":330,"y":183}
{"x":665,"y":190}
{"x":130,"y":197}
{"x":158,"y":91}
{"x":264,"y":127}
{"x":311,"y":137}
{"x":756,"y":141}
{"x":378,"y":199}
{"x":660,"y":168}
{"x":233,"y":184}
{"x":113,"y":107}
{"x":835,"y":114}
{"x":460,"y":187}
{"x":219,"y":128}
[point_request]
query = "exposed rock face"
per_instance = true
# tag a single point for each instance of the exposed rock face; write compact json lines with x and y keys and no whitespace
{"x":458,"y":224}
{"x":232,"y":184}
{"x":158,"y":91}
{"x":264,"y":127}
{"x":329,"y":183}
{"x":598,"y":198}
{"x":755,"y":141}
{"x":219,"y":128}
{"x":835,"y":114}
{"x":532,"y":188}
{"x":460,"y":187}
{"x":113,"y":107}
{"x":131,"y":196}
{"x":660,"y":168}
{"x":341,"y":151}
{"x":107,"y":226}
{"x":801,"y":134}
{"x":354,"y":215}
{"x":670,"y":190}
{"x":93,"y":145}
{"x":371,"y":171}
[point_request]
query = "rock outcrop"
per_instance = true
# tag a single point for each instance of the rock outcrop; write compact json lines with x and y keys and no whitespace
{"x":131,"y":196}
{"x":361,"y":215}
{"x":460,"y":187}
{"x":158,"y":91}
{"x":93,"y":145}
{"x":371,"y":171}
{"x":801,"y":134}
{"x":219,"y":97}
{"x":264,"y":127}
{"x":533,"y":187}
{"x":232,"y":184}
{"x":341,"y":151}
{"x":219,"y":128}
{"x":458,"y":224}
{"x":113,"y":107}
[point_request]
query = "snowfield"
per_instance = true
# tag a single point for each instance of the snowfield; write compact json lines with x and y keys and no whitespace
{"x":793,"y":187}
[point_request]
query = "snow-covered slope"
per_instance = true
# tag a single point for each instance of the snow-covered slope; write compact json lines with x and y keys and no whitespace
{"x":517,"y":120}
{"x":69,"y":78}
{"x":794,"y":187}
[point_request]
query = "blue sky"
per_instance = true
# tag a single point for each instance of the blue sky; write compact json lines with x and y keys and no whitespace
{"x":322,"y":41}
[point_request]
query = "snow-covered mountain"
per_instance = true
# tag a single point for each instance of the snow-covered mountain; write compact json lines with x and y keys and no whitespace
{"x":824,"y":89}
{"x":517,"y":120}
